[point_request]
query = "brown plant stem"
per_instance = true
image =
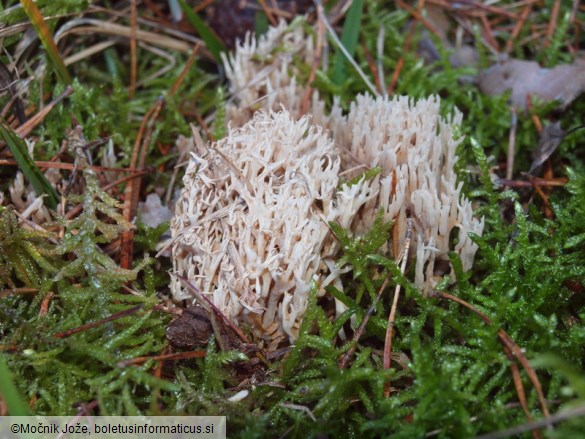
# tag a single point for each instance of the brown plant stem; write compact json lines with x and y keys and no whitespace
{"x":392,"y":316}
{"x":165,"y":357}
{"x":97,"y":323}
{"x":508,"y":343}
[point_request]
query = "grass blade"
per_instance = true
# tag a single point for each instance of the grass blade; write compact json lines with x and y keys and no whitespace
{"x":260,"y":23}
{"x":349,"y":39}
{"x":37,"y":20}
{"x":28,"y":167}
{"x":16,"y":406}
{"x":212,"y":41}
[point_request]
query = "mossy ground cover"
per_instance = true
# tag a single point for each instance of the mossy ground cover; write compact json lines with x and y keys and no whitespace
{"x":82,"y":333}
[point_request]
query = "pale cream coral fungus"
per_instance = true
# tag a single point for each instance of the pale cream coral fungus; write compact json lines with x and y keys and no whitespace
{"x":251,"y":227}
{"x":415,"y":147}
{"x":24,"y":198}
{"x":263,"y":74}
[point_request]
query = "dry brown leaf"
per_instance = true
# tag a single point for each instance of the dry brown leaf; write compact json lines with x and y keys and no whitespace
{"x":153,"y":213}
{"x":551,"y":137}
{"x":563,"y":83}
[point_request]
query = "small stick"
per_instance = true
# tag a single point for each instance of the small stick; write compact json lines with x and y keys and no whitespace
{"x":552,"y":23}
{"x":132,"y":191}
{"x":225,"y":159}
{"x":301,"y":408}
{"x":576,"y":28}
{"x":392,"y":316}
{"x":418,"y":16}
{"x":507,"y":341}
{"x":158,"y":372}
{"x":477,"y":10}
{"x":518,"y":27}
{"x":138,"y":160}
{"x":546,"y":422}
{"x":380,"y":59}
{"x":30,"y":124}
{"x":544,"y":197}
{"x":314,"y":66}
{"x":511,"y":145}
{"x":173,"y":357}
{"x":534,"y":182}
{"x":44,"y":310}
{"x":543,"y":192}
{"x":202,"y":5}
{"x":205,"y":302}
{"x":519,"y":387}
{"x":268,"y":13}
{"x":374,"y":69}
{"x":400,"y":63}
{"x":133,"y":48}
{"x":488,"y":33}
{"x":97,"y":323}
{"x":342,"y":47}
{"x":185,"y":70}
{"x":201,"y":298}
{"x":535,"y":119}
{"x":11,"y":291}
{"x":356,"y":337}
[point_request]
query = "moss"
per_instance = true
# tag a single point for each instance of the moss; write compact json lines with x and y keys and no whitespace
{"x":452,"y":376}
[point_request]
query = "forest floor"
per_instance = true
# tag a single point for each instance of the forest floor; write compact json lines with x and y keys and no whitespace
{"x":99,"y":103}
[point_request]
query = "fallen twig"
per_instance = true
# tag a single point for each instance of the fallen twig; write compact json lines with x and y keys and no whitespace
{"x":166,"y":357}
{"x":133,"y":48}
{"x":204,"y":301}
{"x":507,"y":341}
{"x":392,"y":316}
{"x":314,"y":65}
{"x":342,"y":48}
{"x":133,"y":188}
{"x":31,"y":123}
{"x":97,"y":323}
{"x":11,"y":291}
{"x":511,"y":144}
{"x":546,"y":422}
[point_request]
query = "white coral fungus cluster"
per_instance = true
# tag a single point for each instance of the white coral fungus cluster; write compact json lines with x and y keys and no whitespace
{"x":23,"y":197}
{"x":263,"y":74}
{"x":250,"y":226}
{"x":415,"y":148}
